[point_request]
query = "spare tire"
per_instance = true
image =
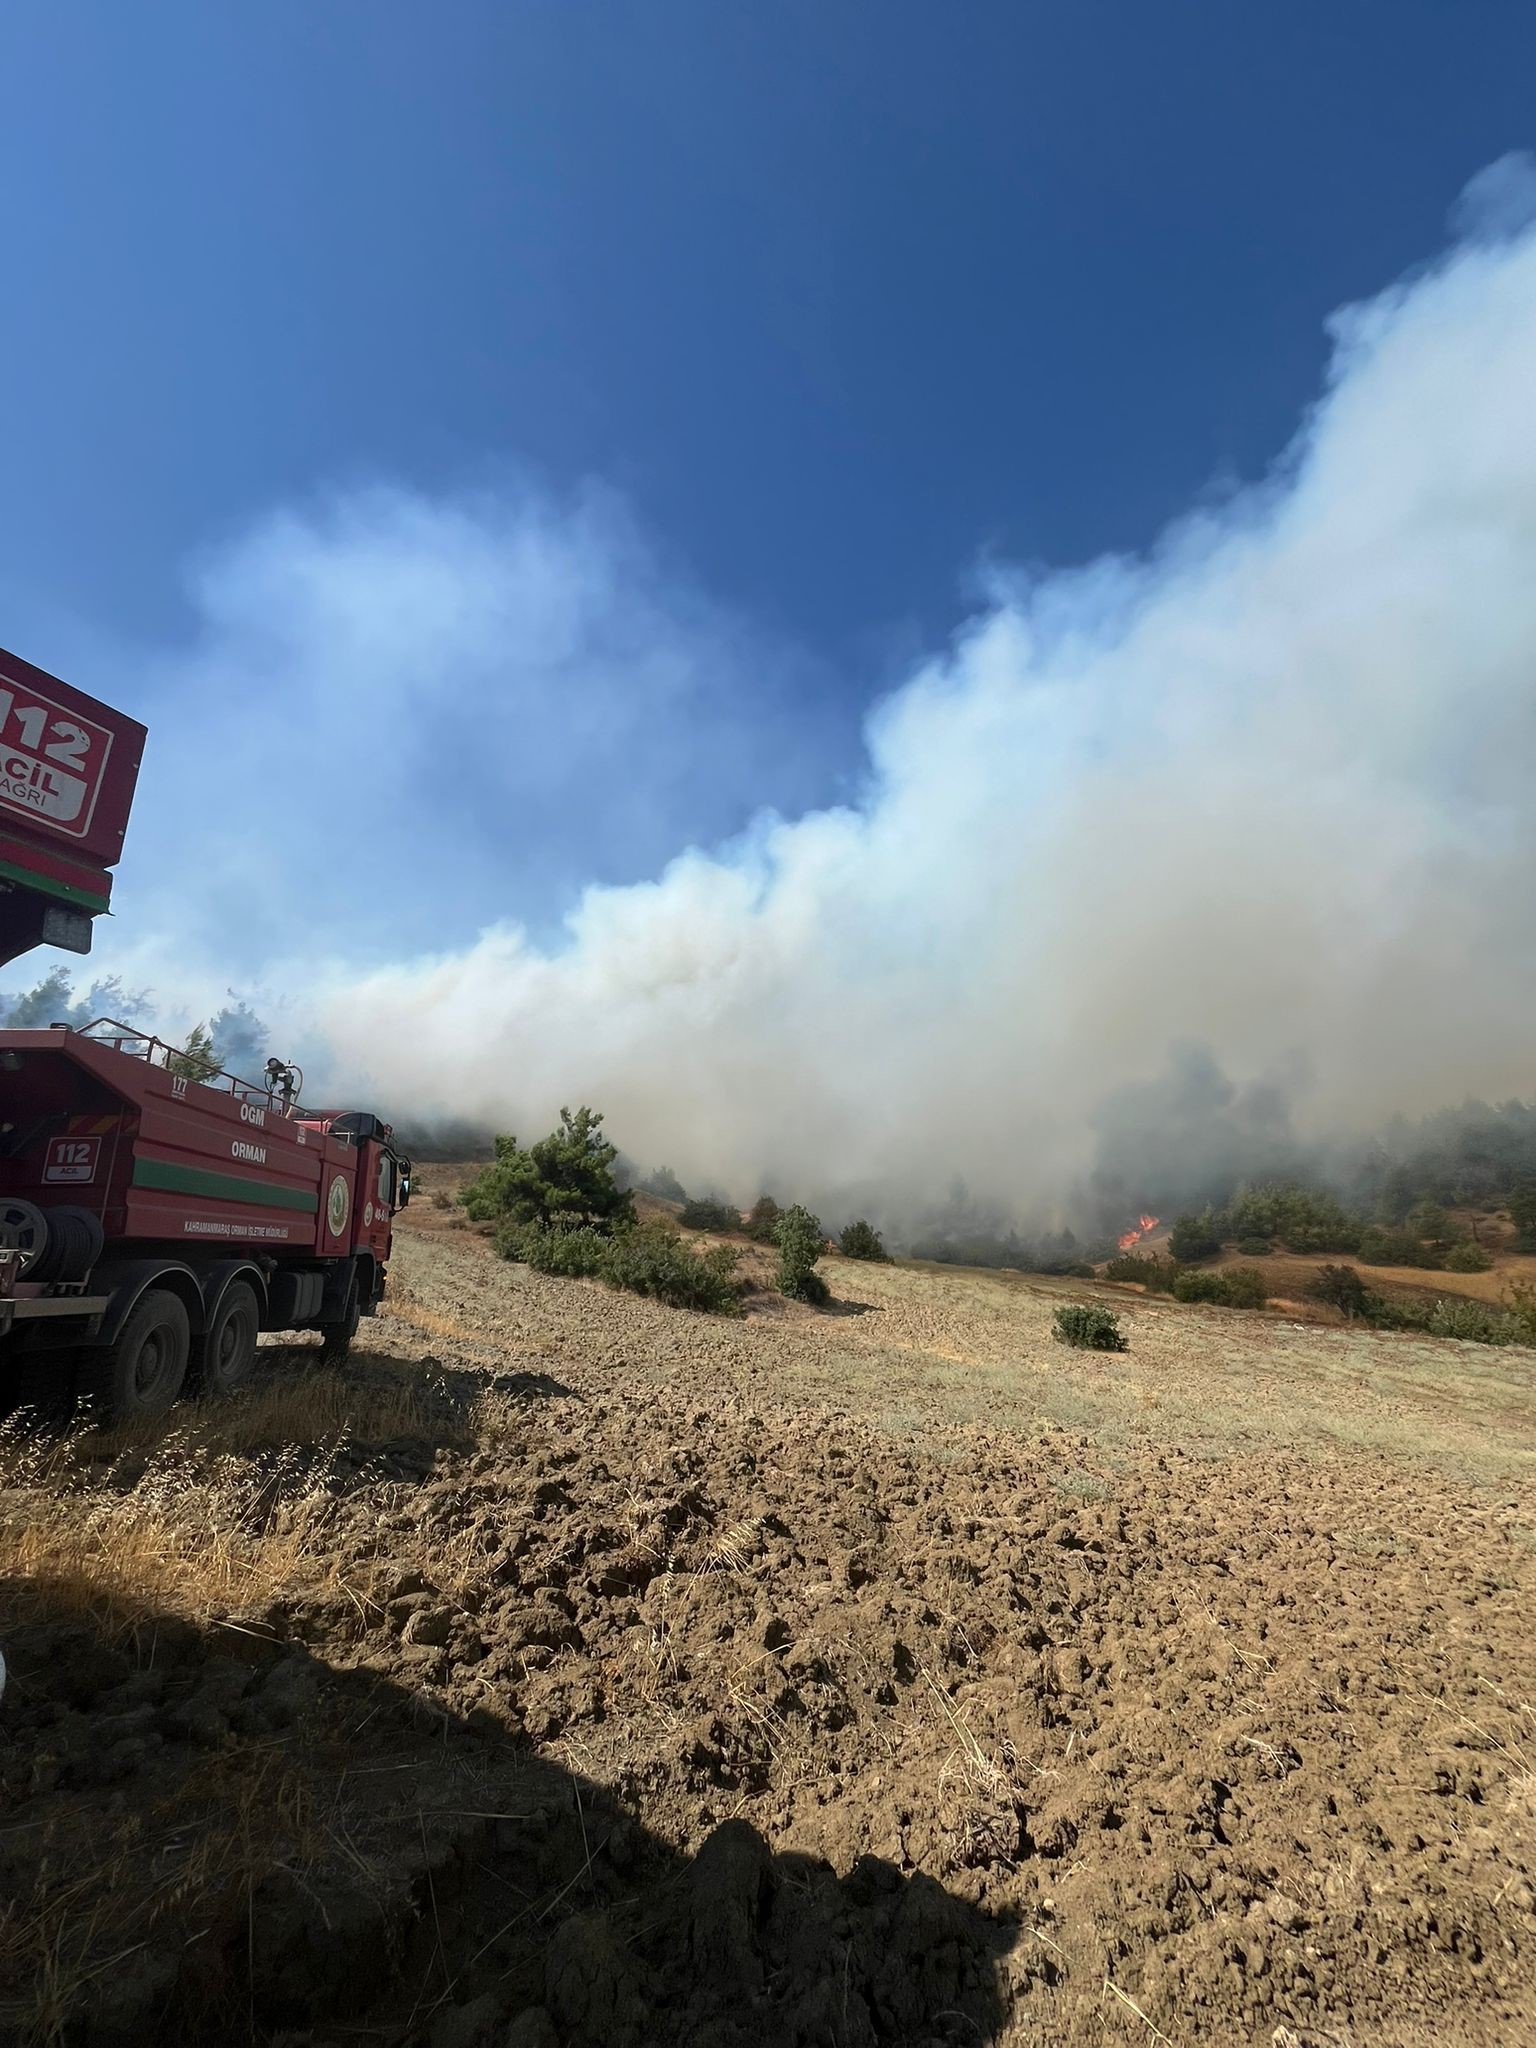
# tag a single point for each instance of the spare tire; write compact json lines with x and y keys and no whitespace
{"x":75,"y":1243}
{"x":24,"y":1229}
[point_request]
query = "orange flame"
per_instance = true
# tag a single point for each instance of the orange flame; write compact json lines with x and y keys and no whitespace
{"x":1128,"y":1238}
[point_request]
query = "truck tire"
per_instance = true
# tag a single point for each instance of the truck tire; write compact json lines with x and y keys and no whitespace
{"x":140,"y":1373}
{"x":224,"y":1357}
{"x":336,"y":1338}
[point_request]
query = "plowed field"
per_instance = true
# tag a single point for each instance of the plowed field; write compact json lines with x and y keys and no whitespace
{"x":572,"y":1670}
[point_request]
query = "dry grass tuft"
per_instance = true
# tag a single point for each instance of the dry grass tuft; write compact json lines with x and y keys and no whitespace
{"x":225,"y":1504}
{"x":192,"y":1862}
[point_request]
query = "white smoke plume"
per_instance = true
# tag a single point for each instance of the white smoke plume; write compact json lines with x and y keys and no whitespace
{"x":1269,"y":788}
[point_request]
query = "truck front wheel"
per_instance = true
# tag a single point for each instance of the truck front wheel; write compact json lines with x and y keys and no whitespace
{"x":336,"y":1338}
{"x":140,"y":1374}
{"x":226,"y":1355}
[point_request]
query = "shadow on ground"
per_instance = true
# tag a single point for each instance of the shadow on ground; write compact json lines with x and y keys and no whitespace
{"x":213,"y":1835}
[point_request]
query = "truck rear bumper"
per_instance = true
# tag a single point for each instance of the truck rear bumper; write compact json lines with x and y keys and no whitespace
{"x":85,"y":1308}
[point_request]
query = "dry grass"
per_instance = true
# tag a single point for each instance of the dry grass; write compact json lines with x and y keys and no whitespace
{"x":192,"y":1861}
{"x":176,"y":1541}
{"x":228,"y":1506}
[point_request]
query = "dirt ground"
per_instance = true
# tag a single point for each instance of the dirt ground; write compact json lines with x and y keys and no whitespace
{"x":572,"y":1670}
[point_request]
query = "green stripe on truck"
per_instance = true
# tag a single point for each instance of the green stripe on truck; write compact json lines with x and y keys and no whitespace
{"x":71,"y":892}
{"x":219,"y":1187}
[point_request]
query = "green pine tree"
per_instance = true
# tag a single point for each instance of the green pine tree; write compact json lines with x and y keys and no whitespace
{"x":800,"y":1240}
{"x":564,"y":1180}
{"x":197,"y":1059}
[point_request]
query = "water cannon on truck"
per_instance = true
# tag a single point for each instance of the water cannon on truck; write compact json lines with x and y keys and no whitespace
{"x":155,"y":1216}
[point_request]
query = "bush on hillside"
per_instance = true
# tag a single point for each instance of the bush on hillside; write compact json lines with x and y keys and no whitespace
{"x":763,"y":1220}
{"x":1472,"y":1322}
{"x":1302,"y":1219}
{"x":1398,"y":1315}
{"x":1467,"y":1257}
{"x":1475,"y":1322}
{"x":1245,"y":1288}
{"x":800,"y":1240}
{"x":647,"y":1258}
{"x":1089,"y":1328}
{"x":1434,"y":1225}
{"x":1522,"y":1213}
{"x":652,"y":1260}
{"x":1238,"y":1287}
{"x":1255,"y":1247}
{"x":706,"y":1214}
{"x":1195,"y":1237}
{"x":1380,"y":1247}
{"x":564,"y":1180}
{"x":577,"y":1251}
{"x":1521,"y":1304}
{"x":1143,"y":1268}
{"x":1342,"y":1287}
{"x":664,"y":1183}
{"x":861,"y":1240}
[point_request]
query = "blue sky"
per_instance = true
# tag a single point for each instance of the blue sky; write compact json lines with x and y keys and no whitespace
{"x":751,"y":332}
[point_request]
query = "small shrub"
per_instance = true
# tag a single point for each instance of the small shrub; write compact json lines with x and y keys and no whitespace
{"x":1239,"y":1287}
{"x":705,"y":1214}
{"x":578,"y":1252}
{"x":1245,"y":1288}
{"x":441,"y":1199}
{"x":1475,"y":1322}
{"x":648,"y":1259}
{"x":1090,"y":1329}
{"x":1430,"y":1221}
{"x":862,"y":1241}
{"x":1195,"y":1237}
{"x":1193,"y":1285}
{"x":1254,"y":1247}
{"x":1380,"y":1247}
{"x":763,"y":1220}
{"x":799,"y":1237}
{"x":652,"y":1260}
{"x":1467,"y":1257}
{"x":1153,"y":1273}
{"x":1521,"y":1306}
{"x":1342,"y":1287}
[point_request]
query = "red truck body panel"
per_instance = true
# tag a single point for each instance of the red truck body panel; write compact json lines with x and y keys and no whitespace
{"x":68,"y":768}
{"x":164,"y":1160}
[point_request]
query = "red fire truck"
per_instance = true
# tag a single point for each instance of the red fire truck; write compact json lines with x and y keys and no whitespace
{"x":155,"y":1216}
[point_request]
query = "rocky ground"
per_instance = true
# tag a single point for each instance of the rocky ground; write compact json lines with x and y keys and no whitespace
{"x":577,"y":1671}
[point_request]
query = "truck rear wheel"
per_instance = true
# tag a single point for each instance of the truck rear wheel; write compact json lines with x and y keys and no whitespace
{"x":224,"y":1359}
{"x":140,"y":1374}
